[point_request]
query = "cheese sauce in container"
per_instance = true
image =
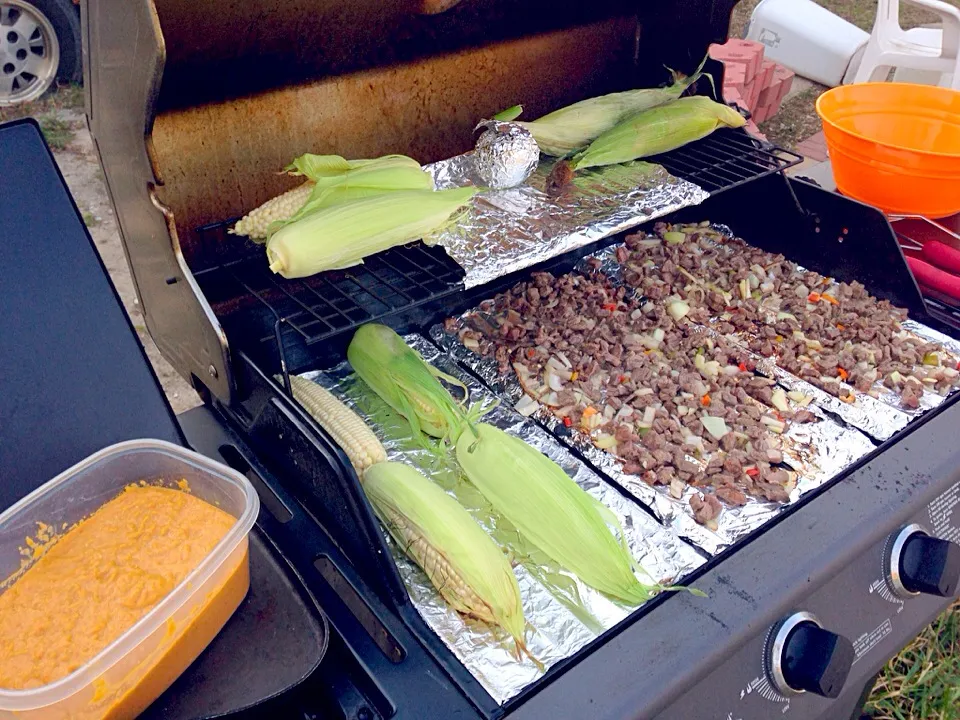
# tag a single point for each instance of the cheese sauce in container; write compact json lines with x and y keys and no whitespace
{"x":114,"y":576}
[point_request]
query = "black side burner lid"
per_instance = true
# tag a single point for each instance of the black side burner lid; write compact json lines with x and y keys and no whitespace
{"x":73,"y":375}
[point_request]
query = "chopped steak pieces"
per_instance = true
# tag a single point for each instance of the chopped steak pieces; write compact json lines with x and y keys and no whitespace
{"x":677,"y":405}
{"x":832,"y":334}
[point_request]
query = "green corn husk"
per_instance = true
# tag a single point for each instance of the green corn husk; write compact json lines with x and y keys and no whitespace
{"x":412,"y":387}
{"x":342,"y":235}
{"x":462,"y":562}
{"x":318,"y":167}
{"x":658,"y":130}
{"x":363,"y":182}
{"x":551,"y":511}
{"x":570,"y":129}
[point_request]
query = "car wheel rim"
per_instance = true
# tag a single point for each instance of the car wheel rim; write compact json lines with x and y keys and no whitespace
{"x":29,"y":52}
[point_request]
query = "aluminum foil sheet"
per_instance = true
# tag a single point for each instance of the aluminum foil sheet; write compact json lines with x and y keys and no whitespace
{"x":508,"y":230}
{"x":816,"y":451}
{"x":563,"y":614}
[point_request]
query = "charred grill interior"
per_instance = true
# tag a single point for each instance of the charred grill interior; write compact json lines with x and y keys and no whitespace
{"x":783,"y":503}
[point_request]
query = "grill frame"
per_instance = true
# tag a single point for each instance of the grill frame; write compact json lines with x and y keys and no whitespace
{"x":725,"y":160}
{"x":663,"y":620}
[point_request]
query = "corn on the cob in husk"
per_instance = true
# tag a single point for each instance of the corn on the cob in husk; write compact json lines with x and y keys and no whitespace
{"x":350,"y":432}
{"x":331,"y":179}
{"x":462,"y":562}
{"x":658,"y":130}
{"x":412,"y":387}
{"x":366,"y":181}
{"x":569,"y":129}
{"x":551,"y":511}
{"x":342,"y":235}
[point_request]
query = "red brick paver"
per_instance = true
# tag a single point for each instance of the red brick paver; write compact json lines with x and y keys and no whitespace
{"x":814,"y":147}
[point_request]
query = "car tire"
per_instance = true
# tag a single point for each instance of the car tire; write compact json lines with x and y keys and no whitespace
{"x":54,"y":27}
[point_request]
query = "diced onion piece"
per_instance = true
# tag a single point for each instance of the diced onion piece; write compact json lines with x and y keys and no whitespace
{"x":678,"y":309}
{"x":553,"y":380}
{"x":744,"y":287}
{"x":716,"y":426}
{"x":658,"y":334}
{"x":605,"y":442}
{"x":931,"y":359}
{"x":647,"y":243}
{"x":674,"y":238}
{"x":777,"y":426}
{"x":623,"y":412}
{"x":779,"y":400}
{"x":677,"y":486}
{"x":785,"y":316}
{"x":649,"y":414}
{"x":527,"y":406}
{"x":550,"y":399}
{"x":799,"y":398}
{"x":470,"y":343}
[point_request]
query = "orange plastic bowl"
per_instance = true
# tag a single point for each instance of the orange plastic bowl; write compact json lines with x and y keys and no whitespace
{"x":895,"y":146}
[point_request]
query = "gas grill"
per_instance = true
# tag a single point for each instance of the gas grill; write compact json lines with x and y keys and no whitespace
{"x":195,"y":105}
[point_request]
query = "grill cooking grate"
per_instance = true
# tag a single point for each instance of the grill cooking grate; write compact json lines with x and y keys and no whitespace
{"x":272,"y":317}
{"x":271,"y":311}
{"x":726,"y":159}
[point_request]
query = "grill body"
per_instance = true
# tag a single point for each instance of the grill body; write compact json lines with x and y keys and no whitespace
{"x":194,"y":105}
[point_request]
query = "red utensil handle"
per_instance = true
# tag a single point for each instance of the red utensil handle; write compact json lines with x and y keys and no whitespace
{"x":935,"y":278}
{"x":941,"y":255}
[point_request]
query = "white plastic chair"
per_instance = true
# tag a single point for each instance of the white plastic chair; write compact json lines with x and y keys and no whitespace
{"x":922,"y":49}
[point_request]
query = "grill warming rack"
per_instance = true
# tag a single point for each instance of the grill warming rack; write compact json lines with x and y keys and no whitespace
{"x":283,"y":320}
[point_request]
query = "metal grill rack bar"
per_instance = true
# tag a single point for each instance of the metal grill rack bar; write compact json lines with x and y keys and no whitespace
{"x":726,"y":159}
{"x":268,"y":311}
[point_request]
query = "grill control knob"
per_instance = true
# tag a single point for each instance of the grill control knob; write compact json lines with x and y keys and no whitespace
{"x":920,"y":563}
{"x":803,"y":657}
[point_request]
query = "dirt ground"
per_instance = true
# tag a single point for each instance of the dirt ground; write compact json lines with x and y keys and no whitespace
{"x":78,"y":162}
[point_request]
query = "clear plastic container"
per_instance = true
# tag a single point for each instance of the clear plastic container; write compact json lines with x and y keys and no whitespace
{"x":131,"y":672}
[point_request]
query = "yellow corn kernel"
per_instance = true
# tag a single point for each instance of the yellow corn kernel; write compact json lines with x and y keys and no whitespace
{"x":349,"y":431}
{"x":283,"y":207}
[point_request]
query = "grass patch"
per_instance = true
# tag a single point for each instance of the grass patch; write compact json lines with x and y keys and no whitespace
{"x":89,"y":219}
{"x":923,"y":681}
{"x":65,"y":97}
{"x":57,"y":132}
